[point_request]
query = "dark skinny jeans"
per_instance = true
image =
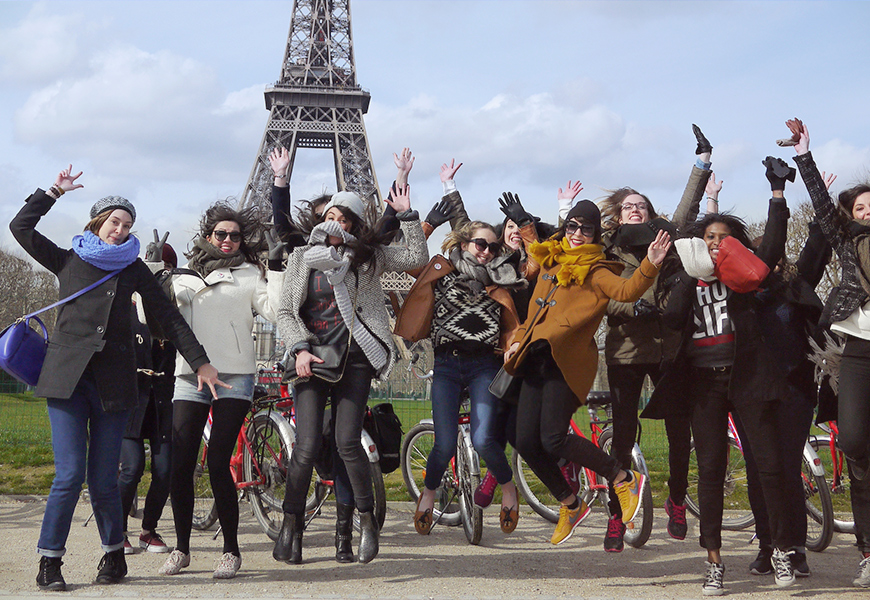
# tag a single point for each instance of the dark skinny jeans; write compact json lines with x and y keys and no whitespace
{"x":709,"y":390}
{"x":546,"y":405}
{"x":132,"y":468}
{"x":349,"y":397}
{"x":188,"y":420}
{"x":626,"y":383}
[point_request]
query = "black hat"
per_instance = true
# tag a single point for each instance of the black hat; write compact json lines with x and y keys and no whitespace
{"x":589,"y":213}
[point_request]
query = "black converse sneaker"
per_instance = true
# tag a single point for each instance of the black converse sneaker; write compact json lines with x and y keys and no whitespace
{"x":113,"y":568}
{"x":49,"y":577}
{"x":714,"y":579}
{"x":782,"y":569}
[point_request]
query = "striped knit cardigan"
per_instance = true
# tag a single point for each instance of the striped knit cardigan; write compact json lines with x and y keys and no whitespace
{"x":364,"y":286}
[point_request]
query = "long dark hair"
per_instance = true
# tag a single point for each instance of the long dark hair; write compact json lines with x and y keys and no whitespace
{"x":847,"y":198}
{"x":250,"y":225}
{"x":672,"y":265}
{"x":369,"y":230}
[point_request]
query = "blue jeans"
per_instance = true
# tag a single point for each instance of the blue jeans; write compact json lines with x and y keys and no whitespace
{"x":73,"y":422}
{"x":453,"y":372}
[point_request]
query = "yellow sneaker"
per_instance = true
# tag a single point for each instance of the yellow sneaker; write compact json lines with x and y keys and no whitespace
{"x":629,"y":493}
{"x":568,"y":521}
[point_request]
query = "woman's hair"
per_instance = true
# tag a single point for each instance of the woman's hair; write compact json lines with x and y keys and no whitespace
{"x":248,"y":219}
{"x":369,"y":230}
{"x":847,"y":198}
{"x":97,"y":222}
{"x":672,"y":265}
{"x":463,"y":235}
{"x":611,"y":206}
{"x":544,"y":230}
{"x":560,"y":232}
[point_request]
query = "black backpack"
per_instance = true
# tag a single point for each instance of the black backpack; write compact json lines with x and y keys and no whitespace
{"x":386,"y":430}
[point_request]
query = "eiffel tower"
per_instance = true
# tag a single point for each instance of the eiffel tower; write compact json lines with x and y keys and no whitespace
{"x":317,"y":103}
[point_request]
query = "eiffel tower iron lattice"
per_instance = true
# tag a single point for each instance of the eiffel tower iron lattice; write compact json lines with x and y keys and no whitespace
{"x":317,"y":103}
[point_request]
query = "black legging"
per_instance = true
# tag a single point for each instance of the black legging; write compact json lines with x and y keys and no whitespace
{"x":545,"y":408}
{"x":349,"y":396}
{"x":188,"y":420}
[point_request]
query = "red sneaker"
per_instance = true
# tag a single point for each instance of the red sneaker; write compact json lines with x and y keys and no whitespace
{"x":152,"y":542}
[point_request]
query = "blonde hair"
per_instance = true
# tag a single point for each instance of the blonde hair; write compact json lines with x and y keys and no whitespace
{"x":97,"y":222}
{"x":462,"y":235}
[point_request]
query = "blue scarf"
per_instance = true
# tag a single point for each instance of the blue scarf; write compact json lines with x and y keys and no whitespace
{"x":108,"y":257}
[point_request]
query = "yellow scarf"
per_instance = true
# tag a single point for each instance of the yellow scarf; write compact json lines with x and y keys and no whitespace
{"x":575,"y":261}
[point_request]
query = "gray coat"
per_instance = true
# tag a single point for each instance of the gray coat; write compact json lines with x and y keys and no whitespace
{"x":363,"y":285}
{"x":95,"y":329}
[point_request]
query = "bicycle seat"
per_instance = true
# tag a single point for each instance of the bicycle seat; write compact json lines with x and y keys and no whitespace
{"x":599,"y":398}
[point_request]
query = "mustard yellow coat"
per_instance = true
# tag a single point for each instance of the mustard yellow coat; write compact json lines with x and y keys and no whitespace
{"x":570,"y":320}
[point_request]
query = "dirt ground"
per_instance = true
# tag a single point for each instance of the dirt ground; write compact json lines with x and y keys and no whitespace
{"x":442,"y":565}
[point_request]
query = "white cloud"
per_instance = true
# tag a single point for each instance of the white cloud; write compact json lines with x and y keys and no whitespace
{"x":40,"y":48}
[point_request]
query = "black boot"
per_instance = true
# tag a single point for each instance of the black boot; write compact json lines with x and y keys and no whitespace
{"x":113,"y":567}
{"x":368,"y":538}
{"x":288,"y":546}
{"x":343,"y":533}
{"x":49,"y":577}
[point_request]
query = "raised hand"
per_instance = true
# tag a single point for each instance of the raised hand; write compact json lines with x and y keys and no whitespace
{"x":448,"y":171}
{"x":777,"y":172}
{"x":66,"y":181}
{"x":828,"y":179}
{"x":404,"y":163}
{"x":279,"y":160}
{"x":513,"y":209}
{"x":659,"y":247}
{"x":401,"y":199}
{"x":713,"y":187}
{"x":440,"y":213}
{"x":570,"y":192}
{"x":154,"y":250}
{"x":803,"y":144}
{"x":276,"y":246}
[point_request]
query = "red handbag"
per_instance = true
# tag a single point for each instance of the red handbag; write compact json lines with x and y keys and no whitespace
{"x":738,"y":267}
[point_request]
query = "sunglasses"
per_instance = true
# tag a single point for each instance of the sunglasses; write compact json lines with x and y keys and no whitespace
{"x":220,"y":235}
{"x":482,"y":245}
{"x":571,"y":228}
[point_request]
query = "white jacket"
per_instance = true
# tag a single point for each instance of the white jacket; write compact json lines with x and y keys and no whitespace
{"x":220,"y":311}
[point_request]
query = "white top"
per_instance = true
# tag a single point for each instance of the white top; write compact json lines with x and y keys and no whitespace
{"x":857,"y":324}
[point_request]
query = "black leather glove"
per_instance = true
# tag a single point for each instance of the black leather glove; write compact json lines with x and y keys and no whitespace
{"x":703,"y":142}
{"x":645,"y":308}
{"x":154,"y":250}
{"x":440,"y":213}
{"x":513,"y":209}
{"x":778,"y":172}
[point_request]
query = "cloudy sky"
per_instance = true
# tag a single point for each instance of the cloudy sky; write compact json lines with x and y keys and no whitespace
{"x":162,"y":102}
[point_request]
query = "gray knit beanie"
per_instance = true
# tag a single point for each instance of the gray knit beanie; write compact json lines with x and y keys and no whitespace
{"x":112,"y":202}
{"x":348,"y":200}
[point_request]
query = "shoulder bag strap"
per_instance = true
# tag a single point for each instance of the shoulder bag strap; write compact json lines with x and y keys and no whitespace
{"x":74,"y":296}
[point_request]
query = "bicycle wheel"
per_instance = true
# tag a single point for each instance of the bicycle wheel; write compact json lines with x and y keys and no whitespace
{"x":535,"y":493}
{"x":738,"y":515}
{"x":416,"y":446}
{"x":469,"y":479}
{"x":271,"y":440}
{"x":204,"y":507}
{"x":637,"y":532}
{"x":837,"y":481}
{"x":820,"y":511}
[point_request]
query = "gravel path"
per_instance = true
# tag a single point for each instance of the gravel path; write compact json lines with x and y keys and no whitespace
{"x":442,"y":565}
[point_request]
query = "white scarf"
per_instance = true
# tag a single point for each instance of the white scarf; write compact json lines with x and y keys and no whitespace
{"x":695,"y":257}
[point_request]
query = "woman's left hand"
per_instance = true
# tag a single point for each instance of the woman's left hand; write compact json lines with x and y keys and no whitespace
{"x":659,"y":247}
{"x":511,"y":351}
{"x":401,"y":200}
{"x":208,"y":375}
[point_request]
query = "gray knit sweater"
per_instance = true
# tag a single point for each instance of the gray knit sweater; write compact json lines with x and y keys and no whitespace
{"x":367,"y":292}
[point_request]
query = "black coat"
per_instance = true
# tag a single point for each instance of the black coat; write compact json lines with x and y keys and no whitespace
{"x":95,"y":329}
{"x":755,"y":374}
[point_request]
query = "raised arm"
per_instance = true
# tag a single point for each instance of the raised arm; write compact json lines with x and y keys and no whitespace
{"x":689,"y":206}
{"x":415,"y":252}
{"x":565,"y":198}
{"x":459,"y":215}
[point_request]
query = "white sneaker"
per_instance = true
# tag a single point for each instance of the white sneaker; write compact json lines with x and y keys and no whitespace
{"x":227,"y":566}
{"x":863,"y":578}
{"x":177,"y":560}
{"x":783,"y":572}
{"x":714,"y":579}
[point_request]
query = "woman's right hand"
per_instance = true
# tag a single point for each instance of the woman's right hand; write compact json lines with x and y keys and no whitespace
{"x":803,"y":144}
{"x":511,"y":351}
{"x":303,"y":363}
{"x":67,"y":181}
{"x":279,"y":160}
{"x":449,"y":171}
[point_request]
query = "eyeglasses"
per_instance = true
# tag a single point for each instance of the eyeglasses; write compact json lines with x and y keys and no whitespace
{"x":630,"y":206}
{"x":586,"y":229}
{"x":482,"y":245}
{"x":220,"y":235}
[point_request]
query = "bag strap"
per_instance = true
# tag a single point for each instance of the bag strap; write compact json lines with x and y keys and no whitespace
{"x":74,"y":296}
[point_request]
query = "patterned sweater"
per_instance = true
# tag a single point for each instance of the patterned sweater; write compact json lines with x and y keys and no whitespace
{"x":462,"y":321}
{"x":364,"y":286}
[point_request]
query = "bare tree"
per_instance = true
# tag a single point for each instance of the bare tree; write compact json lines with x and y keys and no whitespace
{"x":25,"y":288}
